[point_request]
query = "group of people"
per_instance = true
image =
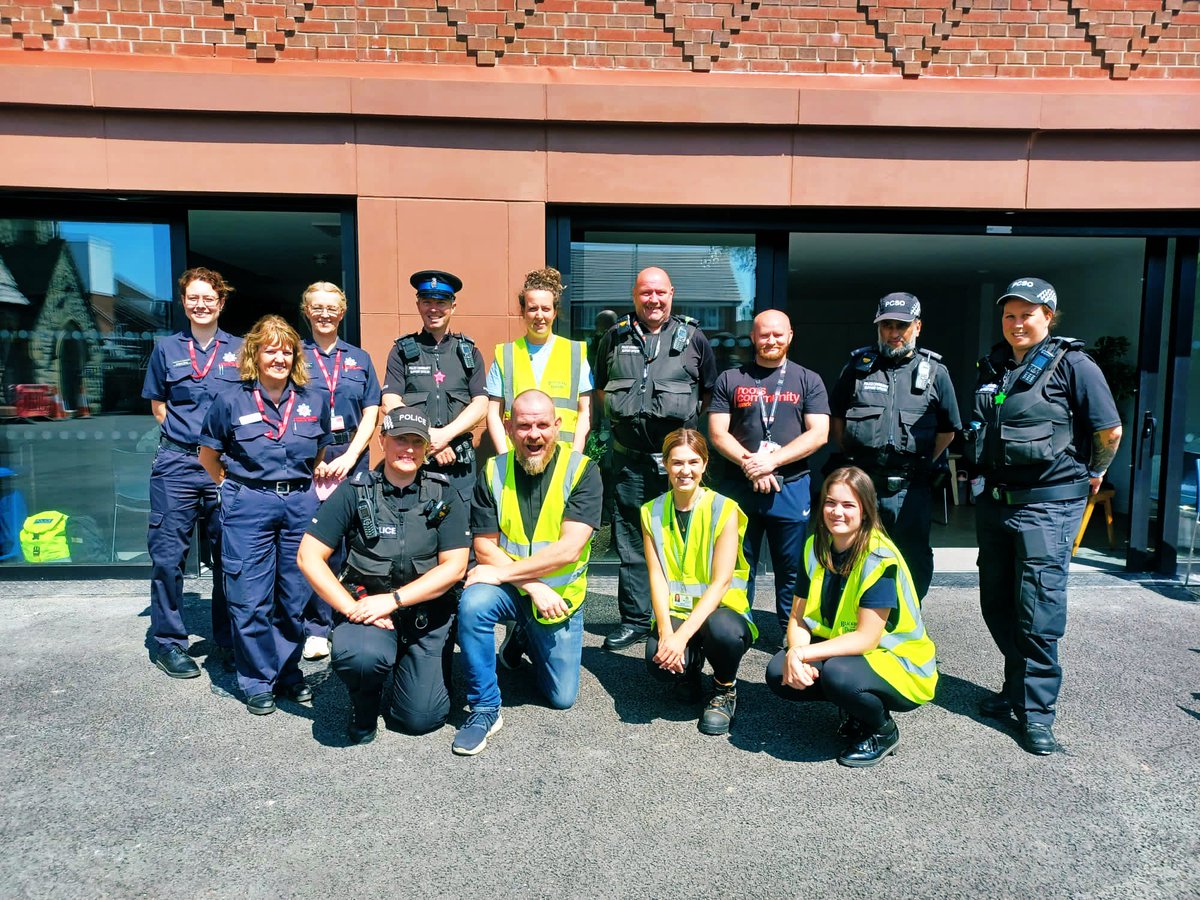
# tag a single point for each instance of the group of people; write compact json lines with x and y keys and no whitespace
{"x":264,"y":440}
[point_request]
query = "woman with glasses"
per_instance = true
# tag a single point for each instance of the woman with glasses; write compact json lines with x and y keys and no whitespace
{"x":261,"y":442}
{"x":187,"y":371}
{"x":346,"y":377}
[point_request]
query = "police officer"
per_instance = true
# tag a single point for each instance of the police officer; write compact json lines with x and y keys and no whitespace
{"x":260,"y":442}
{"x":442,"y":372}
{"x":767,"y":418}
{"x":1045,"y":431}
{"x":408,"y":547}
{"x":654,"y":372}
{"x":894,"y":413}
{"x":186,"y":371}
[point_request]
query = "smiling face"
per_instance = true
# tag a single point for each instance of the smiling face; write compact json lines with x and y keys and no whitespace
{"x":533,"y":430}
{"x":772,"y":336}
{"x":652,"y":298}
{"x":685,"y":469}
{"x":842,"y":514}
{"x":539,"y":315}
{"x":898,"y":339}
{"x":1025,"y":325}
{"x":201,"y":303}
{"x":435,"y":313}
{"x":403,"y":454}
{"x":275,"y":362}
{"x":324,"y":311}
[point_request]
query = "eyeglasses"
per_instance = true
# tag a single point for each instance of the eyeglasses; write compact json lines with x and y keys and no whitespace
{"x":205,"y":299}
{"x":324,"y":310}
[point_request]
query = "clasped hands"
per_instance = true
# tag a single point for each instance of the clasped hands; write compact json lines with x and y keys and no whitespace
{"x":760,"y":468}
{"x":545,"y":599}
{"x":797,"y":673}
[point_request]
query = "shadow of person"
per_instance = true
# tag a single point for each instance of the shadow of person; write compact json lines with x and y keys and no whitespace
{"x":637,"y":697}
{"x":791,"y":732}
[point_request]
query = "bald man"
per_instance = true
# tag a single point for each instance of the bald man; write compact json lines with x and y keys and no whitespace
{"x":653,"y":373}
{"x":767,"y":418}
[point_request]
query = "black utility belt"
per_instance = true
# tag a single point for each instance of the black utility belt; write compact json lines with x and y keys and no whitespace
{"x":342,"y":437}
{"x":625,"y":450}
{"x":283,"y":488}
{"x":168,"y":444}
{"x":1014,"y":496}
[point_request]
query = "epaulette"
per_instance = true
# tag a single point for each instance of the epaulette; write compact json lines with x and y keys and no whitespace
{"x":864,"y":359}
{"x":433,"y":484}
{"x":624,"y":326}
{"x":408,"y":347}
{"x":936,"y":357}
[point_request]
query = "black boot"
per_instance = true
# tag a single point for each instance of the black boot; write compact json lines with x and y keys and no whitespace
{"x":872,"y":748}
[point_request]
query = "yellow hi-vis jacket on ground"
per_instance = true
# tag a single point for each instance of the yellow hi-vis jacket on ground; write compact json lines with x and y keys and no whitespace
{"x":569,"y":581}
{"x":560,"y":379}
{"x":688,"y":564}
{"x":905,"y":658}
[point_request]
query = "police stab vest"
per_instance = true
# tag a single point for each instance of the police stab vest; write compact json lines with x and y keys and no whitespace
{"x":455,"y":358}
{"x":688,"y":564}
{"x":570,"y":580}
{"x":560,"y":379}
{"x":657,"y":393}
{"x":905,"y":658}
{"x":373,"y":560}
{"x":44,"y":538}
{"x":891,"y":417}
{"x":1024,"y":429}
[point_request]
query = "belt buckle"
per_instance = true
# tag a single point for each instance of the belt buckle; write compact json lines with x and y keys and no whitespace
{"x":283,"y":488}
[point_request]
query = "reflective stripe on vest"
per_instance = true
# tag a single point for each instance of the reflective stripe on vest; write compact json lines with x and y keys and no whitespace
{"x":516,"y":375}
{"x":906,"y":657}
{"x":684,"y":578}
{"x":570,"y":580}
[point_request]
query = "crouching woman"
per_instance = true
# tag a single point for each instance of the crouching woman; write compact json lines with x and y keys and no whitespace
{"x":855,"y":637}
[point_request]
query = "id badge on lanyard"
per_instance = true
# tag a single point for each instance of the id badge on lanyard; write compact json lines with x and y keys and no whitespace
{"x":768,"y":419}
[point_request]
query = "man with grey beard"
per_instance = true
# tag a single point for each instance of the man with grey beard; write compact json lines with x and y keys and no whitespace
{"x":893,"y":413}
{"x":533,"y":513}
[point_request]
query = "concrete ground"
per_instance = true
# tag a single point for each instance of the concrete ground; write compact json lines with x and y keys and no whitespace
{"x":119,"y":782}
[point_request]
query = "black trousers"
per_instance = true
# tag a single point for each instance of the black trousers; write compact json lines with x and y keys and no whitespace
{"x":637,"y":482}
{"x":405,"y":673}
{"x":907,"y":514}
{"x":723,"y":640}
{"x":849,"y":683}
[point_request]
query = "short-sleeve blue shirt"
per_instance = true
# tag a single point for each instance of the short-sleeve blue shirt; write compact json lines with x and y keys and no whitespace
{"x":235,"y":428}
{"x":350,"y":369}
{"x":172,"y":378}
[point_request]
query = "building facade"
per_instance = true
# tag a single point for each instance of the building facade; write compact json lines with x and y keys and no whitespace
{"x":808,"y":156}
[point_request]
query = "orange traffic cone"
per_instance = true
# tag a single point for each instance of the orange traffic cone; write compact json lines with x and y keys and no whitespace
{"x":83,"y":411}
{"x":59,"y":412}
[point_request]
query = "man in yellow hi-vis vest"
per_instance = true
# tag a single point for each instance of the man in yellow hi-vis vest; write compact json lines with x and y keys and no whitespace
{"x":533,"y":513}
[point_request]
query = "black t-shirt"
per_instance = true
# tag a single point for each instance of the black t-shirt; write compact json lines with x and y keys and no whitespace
{"x":880,"y":595}
{"x":338,"y":518}
{"x":583,"y":505}
{"x":801,"y":393}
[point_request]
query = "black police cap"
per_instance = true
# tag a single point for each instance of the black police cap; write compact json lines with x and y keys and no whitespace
{"x":435,"y":284}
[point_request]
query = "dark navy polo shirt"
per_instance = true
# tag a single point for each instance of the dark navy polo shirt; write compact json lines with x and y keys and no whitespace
{"x":356,"y":386}
{"x":171,"y":378}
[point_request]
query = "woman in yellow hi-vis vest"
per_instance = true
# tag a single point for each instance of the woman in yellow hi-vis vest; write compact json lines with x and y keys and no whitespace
{"x":855,"y":636}
{"x":698,"y":577}
{"x":542,"y":360}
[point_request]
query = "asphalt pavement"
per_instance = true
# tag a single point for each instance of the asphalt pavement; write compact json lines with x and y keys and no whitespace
{"x":116,"y":781}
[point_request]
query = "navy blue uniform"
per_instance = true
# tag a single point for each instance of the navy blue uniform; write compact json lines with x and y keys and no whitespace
{"x":267,"y":501}
{"x":347,"y":372}
{"x":181,"y":493}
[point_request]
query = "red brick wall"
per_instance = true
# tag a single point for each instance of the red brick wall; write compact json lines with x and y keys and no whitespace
{"x":934,"y":38}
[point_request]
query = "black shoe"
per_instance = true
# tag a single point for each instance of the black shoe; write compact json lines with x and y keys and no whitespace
{"x":176,"y":663}
{"x":512,"y":649}
{"x":1038,"y":738}
{"x":995,"y":706}
{"x":261,"y":704}
{"x":718,"y":715}
{"x":223,"y":657}
{"x":625,"y":636}
{"x":358,"y":735}
{"x":299,"y":692}
{"x":872,"y":748}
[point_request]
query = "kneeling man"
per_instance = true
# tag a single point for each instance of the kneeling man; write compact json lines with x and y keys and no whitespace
{"x":532,"y":514}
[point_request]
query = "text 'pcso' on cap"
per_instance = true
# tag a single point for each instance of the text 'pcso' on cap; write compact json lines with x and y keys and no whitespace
{"x":900,"y":307}
{"x":435,"y":284}
{"x":406,"y":420}
{"x":1031,"y":290}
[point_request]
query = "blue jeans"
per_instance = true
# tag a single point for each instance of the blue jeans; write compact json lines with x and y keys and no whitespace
{"x":556,"y":650}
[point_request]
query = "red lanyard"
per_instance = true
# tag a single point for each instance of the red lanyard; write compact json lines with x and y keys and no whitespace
{"x":201,"y":373}
{"x":330,"y":383}
{"x":287,"y":414}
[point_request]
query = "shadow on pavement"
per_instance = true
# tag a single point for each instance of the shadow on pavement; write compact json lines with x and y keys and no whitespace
{"x":637,"y":698}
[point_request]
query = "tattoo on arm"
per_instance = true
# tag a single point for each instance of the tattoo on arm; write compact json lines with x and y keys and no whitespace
{"x":1104,"y":448}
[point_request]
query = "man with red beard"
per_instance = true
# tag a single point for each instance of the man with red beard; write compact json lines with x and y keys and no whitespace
{"x":533,"y":513}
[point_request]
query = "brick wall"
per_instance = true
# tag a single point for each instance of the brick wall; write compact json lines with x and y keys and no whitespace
{"x":1114,"y":39}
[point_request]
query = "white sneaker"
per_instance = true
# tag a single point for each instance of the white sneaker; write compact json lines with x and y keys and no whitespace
{"x":316,"y":647}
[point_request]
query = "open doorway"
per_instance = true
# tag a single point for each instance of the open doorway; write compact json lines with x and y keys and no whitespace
{"x":835,"y":281}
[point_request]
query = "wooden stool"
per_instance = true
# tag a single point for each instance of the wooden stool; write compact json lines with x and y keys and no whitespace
{"x":1102,"y":497}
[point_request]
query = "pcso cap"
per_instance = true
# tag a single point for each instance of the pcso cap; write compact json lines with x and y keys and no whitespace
{"x":900,"y":307}
{"x":1031,"y":290}
{"x":435,"y":284}
{"x":406,"y":420}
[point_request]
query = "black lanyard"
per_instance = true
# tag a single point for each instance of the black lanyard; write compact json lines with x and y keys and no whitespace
{"x":769,"y":419}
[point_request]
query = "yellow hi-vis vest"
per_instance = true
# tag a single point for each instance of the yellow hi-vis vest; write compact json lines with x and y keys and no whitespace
{"x":569,"y":581}
{"x":560,"y":378}
{"x":905,"y":658}
{"x":688,"y":564}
